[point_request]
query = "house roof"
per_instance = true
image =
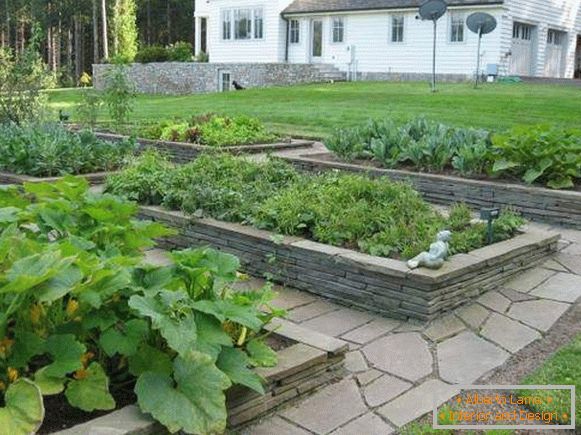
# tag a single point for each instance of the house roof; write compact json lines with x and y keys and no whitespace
{"x":312,"y":6}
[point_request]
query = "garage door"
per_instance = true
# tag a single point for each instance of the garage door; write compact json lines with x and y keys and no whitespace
{"x":554,"y":53}
{"x":521,"y":60}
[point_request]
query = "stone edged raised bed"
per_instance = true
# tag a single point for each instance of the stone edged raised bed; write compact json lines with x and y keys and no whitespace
{"x":9,"y":178}
{"x":312,"y":361}
{"x":562,"y":207}
{"x":182,"y":152}
{"x":352,"y":278}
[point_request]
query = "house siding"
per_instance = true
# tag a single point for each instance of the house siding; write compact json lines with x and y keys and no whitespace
{"x":563,"y":15}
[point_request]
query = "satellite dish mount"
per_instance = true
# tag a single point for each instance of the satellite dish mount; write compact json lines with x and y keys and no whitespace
{"x":433,"y":10}
{"x":480,"y":23}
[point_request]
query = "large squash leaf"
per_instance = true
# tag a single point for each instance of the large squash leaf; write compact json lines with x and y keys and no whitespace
{"x":234,"y":363}
{"x":90,"y":390}
{"x":194,"y":403}
{"x":149,"y":359}
{"x":125,"y":341}
{"x":24,"y":410}
{"x":66,"y":352}
{"x":49,"y":385}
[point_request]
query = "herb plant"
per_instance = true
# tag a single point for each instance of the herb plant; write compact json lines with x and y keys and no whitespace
{"x":82,"y":316}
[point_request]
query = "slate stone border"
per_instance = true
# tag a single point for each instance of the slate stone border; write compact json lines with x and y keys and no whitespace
{"x":562,"y":207}
{"x":376,"y":284}
{"x":182,"y":152}
{"x":92,"y":178}
{"x":313,"y":361}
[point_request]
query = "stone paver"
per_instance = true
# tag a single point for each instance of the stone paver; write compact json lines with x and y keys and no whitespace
{"x":573,"y":249}
{"x":384,"y":389}
{"x":329,"y":408}
{"x":563,"y":287}
{"x":405,"y":355}
{"x":571,"y":262}
{"x":417,"y":402}
{"x":354,"y":362}
{"x":528,"y":280}
{"x":310,"y":311}
{"x":367,"y":377}
{"x":288,"y":299}
{"x":466,"y":357}
{"x":538,"y":314}
{"x":157,"y":257}
{"x":338,"y":322}
{"x":444,"y":327}
{"x":495,"y":301}
{"x":274,"y":426}
{"x":554,"y":265}
{"x":368,"y":424}
{"x":508,"y":333}
{"x":516,"y":296}
{"x":371,"y":331}
{"x":473,"y":314}
{"x":410,"y":326}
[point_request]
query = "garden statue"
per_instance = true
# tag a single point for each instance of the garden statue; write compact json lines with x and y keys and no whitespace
{"x":434,"y":258}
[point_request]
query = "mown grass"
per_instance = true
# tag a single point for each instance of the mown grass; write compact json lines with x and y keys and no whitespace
{"x":316,"y":110}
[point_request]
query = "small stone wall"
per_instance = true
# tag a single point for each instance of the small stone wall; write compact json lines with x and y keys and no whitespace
{"x":8,"y":178}
{"x":181,"y":152}
{"x":562,"y":207}
{"x":376,"y":284}
{"x":182,"y":78}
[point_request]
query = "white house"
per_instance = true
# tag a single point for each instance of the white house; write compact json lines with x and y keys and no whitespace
{"x":378,"y":38}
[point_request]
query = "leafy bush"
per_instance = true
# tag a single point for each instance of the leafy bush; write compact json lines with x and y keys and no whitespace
{"x":88,"y":109}
{"x":212,"y":130}
{"x":152,"y":53}
{"x":181,"y":51}
{"x":82,"y":316}
{"x":45,"y":150}
{"x":119,"y":94}
{"x":376,"y":216}
{"x":544,"y":154}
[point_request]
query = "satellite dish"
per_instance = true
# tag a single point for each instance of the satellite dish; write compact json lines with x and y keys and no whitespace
{"x":433,"y":10}
{"x":480,"y":23}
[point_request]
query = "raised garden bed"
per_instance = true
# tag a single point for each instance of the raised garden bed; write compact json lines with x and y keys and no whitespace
{"x":8,"y":178}
{"x":307,"y":361}
{"x":376,"y":284}
{"x":182,"y":152}
{"x":562,"y":207}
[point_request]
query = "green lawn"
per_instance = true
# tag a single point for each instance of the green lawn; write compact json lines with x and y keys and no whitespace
{"x":315,"y":110}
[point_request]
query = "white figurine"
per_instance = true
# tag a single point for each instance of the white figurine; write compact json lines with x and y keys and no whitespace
{"x":435,"y":257}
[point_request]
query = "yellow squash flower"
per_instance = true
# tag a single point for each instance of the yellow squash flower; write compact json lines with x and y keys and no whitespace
{"x":36,"y":313}
{"x":72,"y":307}
{"x":12,"y":374}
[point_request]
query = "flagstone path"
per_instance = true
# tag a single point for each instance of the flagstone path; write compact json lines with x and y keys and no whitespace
{"x":395,"y":367}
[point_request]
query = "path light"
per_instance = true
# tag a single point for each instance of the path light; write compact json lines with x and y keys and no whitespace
{"x":489,"y":215}
{"x":433,"y":10}
{"x":480,"y":23}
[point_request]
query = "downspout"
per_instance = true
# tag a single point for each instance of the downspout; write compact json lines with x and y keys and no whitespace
{"x":286,"y":47}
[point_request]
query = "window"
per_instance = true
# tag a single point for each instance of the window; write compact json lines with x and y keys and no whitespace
{"x":522,"y":31}
{"x":227,"y":24}
{"x":258,"y":24}
{"x":554,"y":37}
{"x":243,"y":24}
{"x":225,"y":81}
{"x":295,"y":31}
{"x":397,"y":29}
{"x":457,"y":29}
{"x":338,"y":29}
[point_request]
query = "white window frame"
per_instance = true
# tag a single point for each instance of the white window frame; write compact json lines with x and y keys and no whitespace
{"x":392,"y":19}
{"x":556,"y":37}
{"x":455,"y":21}
{"x":294,"y":33}
{"x":255,"y":29}
{"x":337,"y":24}
{"x":522,"y":31}
{"x":221,"y":75}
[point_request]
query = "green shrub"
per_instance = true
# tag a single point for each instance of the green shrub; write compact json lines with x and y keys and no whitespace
{"x":152,"y":53}
{"x":119,"y":94}
{"x":82,"y":316}
{"x":374,"y":215}
{"x":88,"y":109}
{"x":541,"y":154}
{"x":181,"y":52}
{"x":45,"y":150}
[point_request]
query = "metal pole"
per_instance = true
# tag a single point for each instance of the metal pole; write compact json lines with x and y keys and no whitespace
{"x":478,"y":58}
{"x":434,"y":58}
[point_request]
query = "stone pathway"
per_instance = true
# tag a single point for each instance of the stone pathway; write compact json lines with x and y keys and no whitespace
{"x":395,"y":368}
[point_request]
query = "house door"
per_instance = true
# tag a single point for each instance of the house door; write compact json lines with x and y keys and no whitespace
{"x":204,"y":35}
{"x":578,"y":58}
{"x":521,"y":60}
{"x":554,"y":53}
{"x":316,"y":40}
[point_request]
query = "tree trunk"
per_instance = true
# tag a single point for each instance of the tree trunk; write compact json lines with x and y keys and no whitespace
{"x":115,"y":27}
{"x":95,"y":32}
{"x":104,"y":29}
{"x":148,"y":31}
{"x":168,"y":22}
{"x":8,"y":38}
{"x":78,"y":47}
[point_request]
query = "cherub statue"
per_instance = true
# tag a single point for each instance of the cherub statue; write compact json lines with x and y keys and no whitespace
{"x":434,"y":258}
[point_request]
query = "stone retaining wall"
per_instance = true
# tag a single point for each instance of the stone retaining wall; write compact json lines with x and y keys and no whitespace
{"x":560,"y":207}
{"x":181,"y":152}
{"x":182,"y":78}
{"x":373,"y":283}
{"x":8,"y":178}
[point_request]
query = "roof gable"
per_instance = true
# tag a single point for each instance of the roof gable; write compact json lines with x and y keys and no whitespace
{"x":312,"y":6}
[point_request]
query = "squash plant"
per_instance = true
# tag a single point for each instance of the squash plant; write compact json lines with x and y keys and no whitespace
{"x":80,"y":312}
